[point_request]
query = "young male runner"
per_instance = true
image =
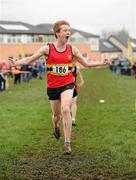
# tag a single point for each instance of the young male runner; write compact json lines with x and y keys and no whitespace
{"x":60,"y":81}
{"x":77,"y":75}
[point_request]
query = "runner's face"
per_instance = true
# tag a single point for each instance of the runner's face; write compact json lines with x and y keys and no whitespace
{"x":64,"y":33}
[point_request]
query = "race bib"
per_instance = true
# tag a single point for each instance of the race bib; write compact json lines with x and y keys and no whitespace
{"x":60,"y":69}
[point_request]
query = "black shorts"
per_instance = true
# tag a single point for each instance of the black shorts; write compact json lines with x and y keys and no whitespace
{"x":75,"y":93}
{"x":54,"y":93}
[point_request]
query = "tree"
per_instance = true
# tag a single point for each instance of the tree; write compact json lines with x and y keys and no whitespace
{"x":106,"y":33}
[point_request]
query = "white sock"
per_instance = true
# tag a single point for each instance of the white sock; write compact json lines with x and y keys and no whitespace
{"x":73,"y":120}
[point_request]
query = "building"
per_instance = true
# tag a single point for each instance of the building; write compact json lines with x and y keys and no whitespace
{"x":19,"y":39}
{"x":121,"y":46}
{"x":109,"y":50}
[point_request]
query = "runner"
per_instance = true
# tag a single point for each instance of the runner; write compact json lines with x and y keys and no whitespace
{"x":78,"y":84}
{"x":60,"y":57}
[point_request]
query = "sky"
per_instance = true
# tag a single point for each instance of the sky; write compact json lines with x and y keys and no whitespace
{"x":92,"y":16}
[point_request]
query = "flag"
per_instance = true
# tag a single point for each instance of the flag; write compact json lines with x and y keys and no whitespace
{"x":21,"y":49}
{"x":130,"y":50}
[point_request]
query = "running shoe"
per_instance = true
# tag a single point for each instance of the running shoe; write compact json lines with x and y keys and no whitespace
{"x":57,"y":132}
{"x":73,"y":123}
{"x":67,"y":149}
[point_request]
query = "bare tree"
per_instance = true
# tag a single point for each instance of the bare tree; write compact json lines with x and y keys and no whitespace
{"x":106,"y":33}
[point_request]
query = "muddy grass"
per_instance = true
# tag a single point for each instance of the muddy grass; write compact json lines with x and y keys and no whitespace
{"x":103,"y":141}
{"x":70,"y":167}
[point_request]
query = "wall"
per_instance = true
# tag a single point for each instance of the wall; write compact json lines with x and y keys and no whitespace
{"x":8,"y":50}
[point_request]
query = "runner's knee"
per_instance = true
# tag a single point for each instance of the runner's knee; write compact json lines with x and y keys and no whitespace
{"x":65,"y":109}
{"x":56,"y":116}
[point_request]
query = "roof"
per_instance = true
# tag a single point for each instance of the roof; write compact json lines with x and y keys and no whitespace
{"x":106,"y":46}
{"x":45,"y":28}
{"x":48,"y":28}
{"x":17,"y":27}
{"x":123,"y":39}
{"x":85,"y":34}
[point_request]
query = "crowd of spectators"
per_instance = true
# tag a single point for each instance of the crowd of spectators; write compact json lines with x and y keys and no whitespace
{"x":123,"y":67}
{"x":37,"y":70}
{"x":20,"y":74}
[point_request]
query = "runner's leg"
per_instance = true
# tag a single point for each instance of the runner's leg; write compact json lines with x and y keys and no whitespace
{"x":56,"y":116}
{"x":66,"y":100}
{"x":74,"y":109}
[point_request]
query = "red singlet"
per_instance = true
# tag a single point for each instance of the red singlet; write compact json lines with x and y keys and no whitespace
{"x":59,"y":66}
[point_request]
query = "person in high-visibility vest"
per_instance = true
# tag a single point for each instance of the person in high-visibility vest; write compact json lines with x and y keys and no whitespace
{"x":17,"y":74}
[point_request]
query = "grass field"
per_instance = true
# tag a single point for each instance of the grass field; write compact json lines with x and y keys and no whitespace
{"x":103,"y":142}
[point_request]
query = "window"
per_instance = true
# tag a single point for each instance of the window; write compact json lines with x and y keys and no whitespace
{"x":133,"y":44}
{"x":80,"y":40}
{"x":19,"y":40}
{"x":14,"y":27}
{"x":14,"y":40}
{"x":72,"y":39}
{"x":9,"y":40}
{"x":33,"y":39}
{"x":1,"y":39}
{"x":108,"y":45}
{"x":94,"y":43}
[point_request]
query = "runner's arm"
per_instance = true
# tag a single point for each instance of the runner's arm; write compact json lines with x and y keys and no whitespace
{"x":81,"y":79}
{"x":31,"y":59}
{"x":77,"y":56}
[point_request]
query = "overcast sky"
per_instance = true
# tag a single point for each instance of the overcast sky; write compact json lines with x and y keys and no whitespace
{"x":88,"y":15}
